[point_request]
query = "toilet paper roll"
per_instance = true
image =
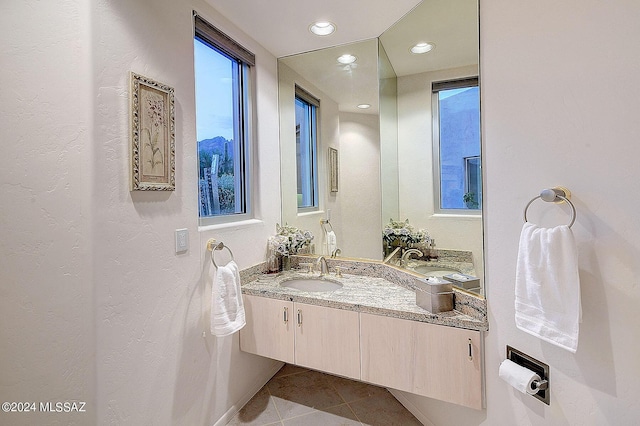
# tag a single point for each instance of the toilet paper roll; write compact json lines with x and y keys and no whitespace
{"x":518,"y":376}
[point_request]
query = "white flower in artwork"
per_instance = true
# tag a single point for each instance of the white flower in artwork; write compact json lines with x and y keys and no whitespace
{"x":154,"y":108}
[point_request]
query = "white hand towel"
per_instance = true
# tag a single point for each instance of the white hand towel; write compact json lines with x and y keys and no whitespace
{"x":332,"y":242}
{"x":227,"y":308}
{"x":547,"y":298}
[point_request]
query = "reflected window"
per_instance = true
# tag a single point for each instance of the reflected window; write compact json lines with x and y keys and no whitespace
{"x":456,"y":143}
{"x":223,"y":94}
{"x":306,"y":116}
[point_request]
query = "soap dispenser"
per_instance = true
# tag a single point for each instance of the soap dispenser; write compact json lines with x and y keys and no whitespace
{"x":433,"y":251}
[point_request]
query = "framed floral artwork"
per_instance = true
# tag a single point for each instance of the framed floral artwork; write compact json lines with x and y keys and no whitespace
{"x":333,"y":170}
{"x":153,"y":163}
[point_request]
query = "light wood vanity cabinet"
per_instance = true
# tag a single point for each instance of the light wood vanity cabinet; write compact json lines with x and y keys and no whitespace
{"x":269,"y":329}
{"x":328,"y":339}
{"x":436,"y":361}
{"x":317,"y":337}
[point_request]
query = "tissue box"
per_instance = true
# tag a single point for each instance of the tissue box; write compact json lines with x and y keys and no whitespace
{"x":434,"y":294}
{"x":467,"y":282}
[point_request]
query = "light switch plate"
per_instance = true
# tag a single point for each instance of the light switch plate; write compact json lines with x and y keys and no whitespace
{"x":182,"y":240}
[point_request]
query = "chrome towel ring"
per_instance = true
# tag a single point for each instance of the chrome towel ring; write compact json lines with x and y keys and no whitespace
{"x":557,"y":194}
{"x":213,"y":245}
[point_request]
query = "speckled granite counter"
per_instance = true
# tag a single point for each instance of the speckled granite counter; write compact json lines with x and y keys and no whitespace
{"x":374,"y":288}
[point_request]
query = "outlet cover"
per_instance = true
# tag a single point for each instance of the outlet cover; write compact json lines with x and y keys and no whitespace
{"x":182,"y":240}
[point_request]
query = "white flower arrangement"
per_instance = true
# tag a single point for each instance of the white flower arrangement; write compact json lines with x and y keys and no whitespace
{"x":289,"y":240}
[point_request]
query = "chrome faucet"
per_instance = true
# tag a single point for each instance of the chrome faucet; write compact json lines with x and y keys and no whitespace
{"x":321,"y":265}
{"x":407,"y":255}
{"x":391,"y":257}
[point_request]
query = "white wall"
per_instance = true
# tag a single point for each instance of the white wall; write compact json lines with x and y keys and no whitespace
{"x":96,"y":305}
{"x":560,"y":107}
{"x":359,"y":190}
{"x":415,"y":156}
{"x":47,"y":328}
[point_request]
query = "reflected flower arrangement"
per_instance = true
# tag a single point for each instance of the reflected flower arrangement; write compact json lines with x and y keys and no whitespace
{"x":402,"y":234}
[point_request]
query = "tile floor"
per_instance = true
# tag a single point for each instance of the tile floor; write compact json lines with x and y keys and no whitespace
{"x":298,"y":396}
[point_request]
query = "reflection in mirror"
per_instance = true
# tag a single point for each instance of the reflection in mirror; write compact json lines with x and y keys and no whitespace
{"x":388,"y":95}
{"x":354,"y":210}
{"x":388,"y":160}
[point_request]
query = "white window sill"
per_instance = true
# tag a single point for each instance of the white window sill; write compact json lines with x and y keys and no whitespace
{"x":229,"y":225}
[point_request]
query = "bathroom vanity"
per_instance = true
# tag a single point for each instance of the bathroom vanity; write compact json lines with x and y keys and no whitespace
{"x":369,"y":329}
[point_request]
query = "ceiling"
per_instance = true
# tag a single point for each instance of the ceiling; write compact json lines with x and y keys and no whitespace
{"x":282,"y":26}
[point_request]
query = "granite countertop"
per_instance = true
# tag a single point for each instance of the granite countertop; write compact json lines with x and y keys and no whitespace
{"x":364,"y":293}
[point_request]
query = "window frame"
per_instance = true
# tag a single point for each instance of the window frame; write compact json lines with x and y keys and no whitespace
{"x":470,"y":169}
{"x":436,"y":87}
{"x":314,"y":112}
{"x":244,"y":95}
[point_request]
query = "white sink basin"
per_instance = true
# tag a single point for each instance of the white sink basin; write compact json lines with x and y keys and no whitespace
{"x":434,"y":271}
{"x":312,"y":284}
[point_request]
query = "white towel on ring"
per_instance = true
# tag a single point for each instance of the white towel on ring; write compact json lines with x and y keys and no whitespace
{"x":227,"y":307}
{"x":547,"y":298}
{"x":332,"y":243}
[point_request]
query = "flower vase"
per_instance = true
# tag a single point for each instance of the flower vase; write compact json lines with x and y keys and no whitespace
{"x":273,"y":263}
{"x":286,"y":263}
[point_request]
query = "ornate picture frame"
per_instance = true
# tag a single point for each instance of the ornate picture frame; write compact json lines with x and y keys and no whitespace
{"x":153,"y":151}
{"x":333,"y":170}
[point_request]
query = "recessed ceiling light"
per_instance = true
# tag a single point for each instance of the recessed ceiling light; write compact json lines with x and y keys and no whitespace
{"x":364,"y":106}
{"x":347,"y":59}
{"x":322,"y":28}
{"x":423,"y":48}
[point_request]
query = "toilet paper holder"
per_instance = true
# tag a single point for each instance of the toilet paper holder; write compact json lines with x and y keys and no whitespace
{"x":540,"y":390}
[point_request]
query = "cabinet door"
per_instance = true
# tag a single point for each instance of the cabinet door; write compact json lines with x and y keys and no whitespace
{"x":431,"y":360}
{"x":328,"y":339}
{"x":269,"y":330}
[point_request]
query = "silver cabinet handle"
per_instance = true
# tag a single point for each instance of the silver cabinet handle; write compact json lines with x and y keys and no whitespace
{"x":285,"y":315}
{"x":299,"y":317}
{"x":470,"y":351}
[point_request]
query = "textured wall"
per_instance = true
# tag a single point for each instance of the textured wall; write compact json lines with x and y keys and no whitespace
{"x":95,"y":305}
{"x":46,"y":303}
{"x":153,"y":366}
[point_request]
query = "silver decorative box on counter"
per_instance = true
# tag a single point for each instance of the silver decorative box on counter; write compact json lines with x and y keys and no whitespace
{"x":468,"y":282}
{"x":434,"y":294}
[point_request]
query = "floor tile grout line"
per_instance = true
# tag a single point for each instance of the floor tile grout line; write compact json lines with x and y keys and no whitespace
{"x":331,"y":383}
{"x":272,"y":401}
{"x":352,"y":401}
{"x":354,"y":413}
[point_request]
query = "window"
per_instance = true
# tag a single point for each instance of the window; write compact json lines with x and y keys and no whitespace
{"x":456,"y":145}
{"x":306,"y":150}
{"x":223,"y":123}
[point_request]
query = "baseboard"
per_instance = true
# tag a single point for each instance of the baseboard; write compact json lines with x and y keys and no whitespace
{"x":257,"y":385}
{"x":411,"y":407}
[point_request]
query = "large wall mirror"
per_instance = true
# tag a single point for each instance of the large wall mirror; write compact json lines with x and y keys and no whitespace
{"x":401,"y":164}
